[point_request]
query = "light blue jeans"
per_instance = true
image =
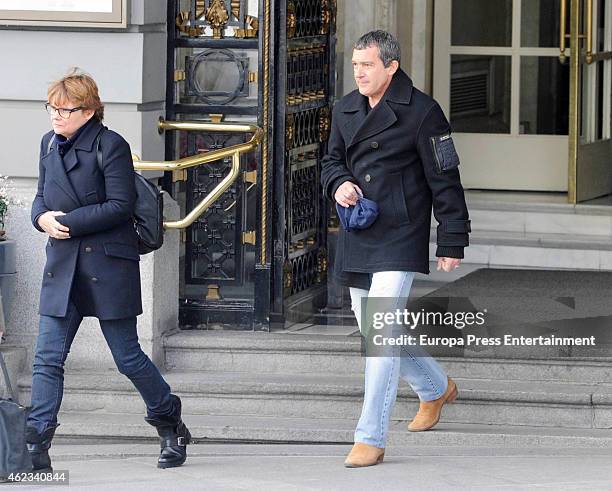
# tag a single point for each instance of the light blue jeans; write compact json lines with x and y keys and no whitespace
{"x":421,"y":371}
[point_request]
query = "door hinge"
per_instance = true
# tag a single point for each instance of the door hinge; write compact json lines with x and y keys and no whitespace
{"x":179,"y":75}
{"x":213,"y":293}
{"x":179,"y":175}
{"x":250,"y":176}
{"x":249,"y":237}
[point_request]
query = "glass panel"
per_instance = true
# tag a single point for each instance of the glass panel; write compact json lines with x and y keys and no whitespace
{"x":480,"y":94}
{"x":216,"y":77}
{"x":481,"y":23}
{"x":544,"y":96}
{"x":540,"y":23}
{"x":595,"y":102}
{"x":600,"y":39}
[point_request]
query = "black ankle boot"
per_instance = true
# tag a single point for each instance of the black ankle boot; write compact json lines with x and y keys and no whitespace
{"x":38,"y":447}
{"x":173,"y":437}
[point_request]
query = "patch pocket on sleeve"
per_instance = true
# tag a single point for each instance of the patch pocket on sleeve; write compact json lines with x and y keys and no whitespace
{"x":445,"y":155}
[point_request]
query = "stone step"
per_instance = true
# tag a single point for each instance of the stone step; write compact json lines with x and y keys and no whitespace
{"x":502,"y":402}
{"x":539,"y":217}
{"x":503,"y":249}
{"x":340,"y":355}
{"x":227,"y":428}
{"x":537,"y":234}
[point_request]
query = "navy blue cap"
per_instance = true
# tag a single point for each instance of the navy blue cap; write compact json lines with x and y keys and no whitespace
{"x":358,"y":217}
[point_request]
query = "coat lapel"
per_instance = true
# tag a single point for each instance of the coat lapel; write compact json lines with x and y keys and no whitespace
{"x":377,"y":121}
{"x":83,"y":142}
{"x":70,"y":159}
{"x":361,"y":125}
{"x":55,"y":167}
{"x":355,"y":114}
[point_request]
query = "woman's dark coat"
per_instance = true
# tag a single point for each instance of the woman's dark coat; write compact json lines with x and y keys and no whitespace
{"x":401,"y":155}
{"x":99,"y":264}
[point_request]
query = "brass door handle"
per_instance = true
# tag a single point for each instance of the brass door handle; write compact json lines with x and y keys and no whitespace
{"x":233,"y":151}
{"x":562,"y":35}
{"x":589,"y":32}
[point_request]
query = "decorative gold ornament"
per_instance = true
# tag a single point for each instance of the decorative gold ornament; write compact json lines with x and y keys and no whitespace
{"x":182,"y":22}
{"x":235,"y":6}
{"x":326,"y":17}
{"x":334,"y":14}
{"x":213,"y":293}
{"x":217,"y":16}
{"x":251,"y":28}
{"x":290,"y":131}
{"x":200,"y":8}
{"x":322,"y":265}
{"x":324,"y":124}
{"x":287,"y":278}
{"x":291,"y":20}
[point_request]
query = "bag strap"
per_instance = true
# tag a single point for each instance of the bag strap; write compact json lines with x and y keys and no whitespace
{"x":50,"y":144}
{"x":99,"y":149}
{"x":7,"y":380}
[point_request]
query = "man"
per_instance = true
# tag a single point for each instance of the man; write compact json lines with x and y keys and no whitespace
{"x":391,"y":144}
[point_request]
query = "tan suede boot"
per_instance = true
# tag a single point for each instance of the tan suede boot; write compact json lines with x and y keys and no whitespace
{"x":363,"y":455}
{"x":429,"y":411}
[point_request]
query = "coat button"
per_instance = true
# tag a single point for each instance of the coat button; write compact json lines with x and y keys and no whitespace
{"x":50,"y":274}
{"x":94,"y":279}
{"x":368,"y":178}
{"x":374,"y":145}
{"x":88,"y":249}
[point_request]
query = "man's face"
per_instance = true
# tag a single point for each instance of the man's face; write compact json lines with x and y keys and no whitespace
{"x":370,"y":73}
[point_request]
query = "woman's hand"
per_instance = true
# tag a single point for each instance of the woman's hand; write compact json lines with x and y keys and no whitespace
{"x":347,"y":194}
{"x":54,"y":228}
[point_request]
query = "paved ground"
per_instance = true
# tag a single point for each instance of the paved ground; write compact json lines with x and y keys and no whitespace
{"x":131,"y":467}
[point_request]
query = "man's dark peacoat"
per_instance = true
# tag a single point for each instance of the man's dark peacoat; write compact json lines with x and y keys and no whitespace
{"x":99,"y":264}
{"x":400,"y":153}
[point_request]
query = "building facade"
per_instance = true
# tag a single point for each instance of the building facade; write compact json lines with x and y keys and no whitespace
{"x":530,"y":110}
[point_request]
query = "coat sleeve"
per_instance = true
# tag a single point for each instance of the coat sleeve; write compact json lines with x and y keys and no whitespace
{"x":118,"y":170}
{"x":440,"y":164}
{"x":38,"y":205}
{"x":334,"y":170}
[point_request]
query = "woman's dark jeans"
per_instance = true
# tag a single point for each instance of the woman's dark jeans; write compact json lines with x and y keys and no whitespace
{"x":52,"y":347}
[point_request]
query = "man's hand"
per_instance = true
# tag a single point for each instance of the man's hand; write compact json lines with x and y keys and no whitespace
{"x":347,"y":194}
{"x":448,"y":263}
{"x":49,"y":224}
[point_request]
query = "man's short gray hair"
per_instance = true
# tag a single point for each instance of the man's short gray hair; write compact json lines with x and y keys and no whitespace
{"x":388,"y":47}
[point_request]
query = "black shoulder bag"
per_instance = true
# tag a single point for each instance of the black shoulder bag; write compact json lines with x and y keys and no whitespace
{"x":148,"y":210}
{"x":14,"y":456}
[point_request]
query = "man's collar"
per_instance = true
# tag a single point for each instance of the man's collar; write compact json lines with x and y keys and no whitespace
{"x":399,"y":90}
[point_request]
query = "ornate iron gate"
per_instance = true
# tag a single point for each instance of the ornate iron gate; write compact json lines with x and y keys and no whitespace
{"x":307,"y":28}
{"x":262,"y":246}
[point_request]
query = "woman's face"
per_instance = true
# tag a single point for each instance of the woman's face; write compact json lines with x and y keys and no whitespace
{"x":69,"y":124}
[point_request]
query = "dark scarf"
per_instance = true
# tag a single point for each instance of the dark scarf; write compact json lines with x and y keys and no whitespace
{"x":64,"y":144}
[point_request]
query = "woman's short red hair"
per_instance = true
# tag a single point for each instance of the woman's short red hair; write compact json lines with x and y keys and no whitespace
{"x":77,"y":87}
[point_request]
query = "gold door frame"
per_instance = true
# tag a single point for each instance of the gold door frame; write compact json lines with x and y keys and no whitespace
{"x":589,"y":169}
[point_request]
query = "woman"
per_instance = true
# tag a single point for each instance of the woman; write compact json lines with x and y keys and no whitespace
{"x":92,"y":269}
